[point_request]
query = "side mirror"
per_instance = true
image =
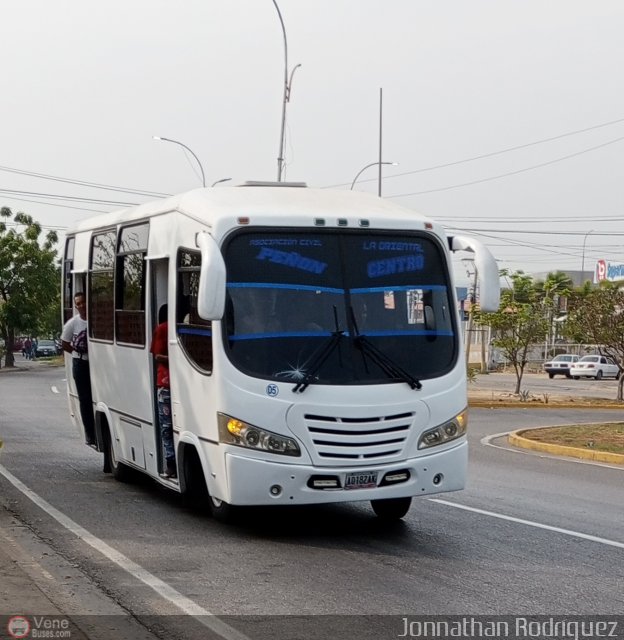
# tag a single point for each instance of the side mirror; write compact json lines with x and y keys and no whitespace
{"x":211,"y":293}
{"x":487,"y":271}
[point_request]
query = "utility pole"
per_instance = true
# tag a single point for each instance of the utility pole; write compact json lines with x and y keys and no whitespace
{"x":484,"y":366}
{"x":380,"y":139}
{"x":470,"y":325}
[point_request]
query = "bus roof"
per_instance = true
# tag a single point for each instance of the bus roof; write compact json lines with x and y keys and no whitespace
{"x":295,"y":202}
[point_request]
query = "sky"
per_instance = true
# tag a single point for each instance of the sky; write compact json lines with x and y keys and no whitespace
{"x":506,"y":117}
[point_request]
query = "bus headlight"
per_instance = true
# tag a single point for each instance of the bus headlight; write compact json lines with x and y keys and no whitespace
{"x":450,"y":430}
{"x":243,"y":434}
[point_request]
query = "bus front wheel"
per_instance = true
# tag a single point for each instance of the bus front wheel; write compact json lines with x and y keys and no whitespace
{"x":195,"y":493}
{"x":222,"y":511}
{"x":391,"y":508}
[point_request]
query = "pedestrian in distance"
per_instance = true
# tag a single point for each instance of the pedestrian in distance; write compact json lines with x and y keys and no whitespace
{"x":74,"y":341}
{"x":160,"y":351}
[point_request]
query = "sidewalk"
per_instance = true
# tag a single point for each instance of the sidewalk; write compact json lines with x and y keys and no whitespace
{"x":24,"y":584}
{"x":20,"y":575}
{"x":39,"y":587}
{"x":21,"y":364}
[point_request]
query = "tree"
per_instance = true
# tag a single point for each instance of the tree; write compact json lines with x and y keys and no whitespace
{"x":29,"y":281}
{"x":596,"y":316}
{"x":519,"y":323}
{"x":556,"y":286}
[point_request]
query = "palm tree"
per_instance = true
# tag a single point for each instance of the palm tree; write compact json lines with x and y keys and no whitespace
{"x":554,"y":291}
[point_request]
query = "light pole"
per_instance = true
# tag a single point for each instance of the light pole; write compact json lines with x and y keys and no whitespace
{"x":190,"y":151}
{"x":583,"y":260}
{"x":473,"y":297}
{"x":372,"y":164}
{"x":286,"y":99}
{"x":220,"y":181}
{"x":380,"y":141}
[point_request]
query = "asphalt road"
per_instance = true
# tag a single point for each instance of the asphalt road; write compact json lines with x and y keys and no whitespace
{"x":531,"y":535}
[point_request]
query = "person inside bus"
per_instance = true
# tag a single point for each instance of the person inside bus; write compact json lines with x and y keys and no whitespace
{"x":160,"y":351}
{"x":74,"y":341}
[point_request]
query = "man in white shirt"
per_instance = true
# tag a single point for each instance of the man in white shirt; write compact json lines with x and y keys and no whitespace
{"x":74,"y":340}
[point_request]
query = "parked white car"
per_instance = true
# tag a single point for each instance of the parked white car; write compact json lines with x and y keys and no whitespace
{"x":560,"y":365}
{"x":597,"y":367}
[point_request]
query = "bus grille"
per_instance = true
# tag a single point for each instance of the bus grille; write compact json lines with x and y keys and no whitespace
{"x":370,"y":438}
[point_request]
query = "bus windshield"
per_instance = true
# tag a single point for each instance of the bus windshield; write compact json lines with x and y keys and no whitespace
{"x":339,"y":307}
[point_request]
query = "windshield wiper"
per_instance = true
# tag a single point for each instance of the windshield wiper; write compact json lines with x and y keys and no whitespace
{"x":320,"y":356}
{"x":381,"y":359}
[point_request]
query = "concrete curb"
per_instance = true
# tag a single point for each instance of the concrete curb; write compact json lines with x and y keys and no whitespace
{"x":503,"y":404}
{"x":28,"y":365}
{"x":516,"y":439}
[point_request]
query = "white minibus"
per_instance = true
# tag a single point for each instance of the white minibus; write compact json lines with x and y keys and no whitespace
{"x":315,"y":349}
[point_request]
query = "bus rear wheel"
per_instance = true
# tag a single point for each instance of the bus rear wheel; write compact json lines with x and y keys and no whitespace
{"x":391,"y":508}
{"x":119,"y":470}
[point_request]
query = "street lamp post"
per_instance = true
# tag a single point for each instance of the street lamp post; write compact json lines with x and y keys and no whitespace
{"x":583,"y":260}
{"x":190,"y":151}
{"x":286,"y":98}
{"x":372,"y":164}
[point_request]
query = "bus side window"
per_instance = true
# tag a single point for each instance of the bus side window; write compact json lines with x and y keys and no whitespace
{"x":194,"y":334}
{"x":68,"y":289}
{"x":101,"y":286}
{"x":130,"y":283}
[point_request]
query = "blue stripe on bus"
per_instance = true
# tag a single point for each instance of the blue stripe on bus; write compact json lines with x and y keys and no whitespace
{"x":269,"y":285}
{"x":285,"y":334}
{"x":194,"y":332}
{"x":426,"y":287}
{"x":421,"y":332}
{"x":319,"y":334}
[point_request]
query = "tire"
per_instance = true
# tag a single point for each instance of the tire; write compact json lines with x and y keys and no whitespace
{"x":617,"y":375}
{"x":567,"y":375}
{"x":222,"y":511}
{"x":120,"y":471}
{"x":599,"y":374}
{"x":551,"y":375}
{"x":195,"y":494}
{"x":391,"y":508}
{"x":576,"y":377}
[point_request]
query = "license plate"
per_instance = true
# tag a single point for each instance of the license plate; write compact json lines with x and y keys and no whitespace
{"x":361,"y":480}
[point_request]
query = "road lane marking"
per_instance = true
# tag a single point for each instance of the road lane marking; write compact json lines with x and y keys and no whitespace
{"x":164,"y":590}
{"x":531,"y":523}
{"x":54,"y":389}
{"x":487,"y":442}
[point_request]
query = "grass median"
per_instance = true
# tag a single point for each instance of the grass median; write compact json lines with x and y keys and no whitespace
{"x":607,"y":437}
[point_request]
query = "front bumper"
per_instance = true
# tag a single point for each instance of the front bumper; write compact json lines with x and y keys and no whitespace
{"x":255,"y":482}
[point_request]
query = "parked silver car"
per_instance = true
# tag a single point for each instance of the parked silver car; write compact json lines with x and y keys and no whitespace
{"x":46,"y":348}
{"x":560,"y":365}
{"x":597,"y":367}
